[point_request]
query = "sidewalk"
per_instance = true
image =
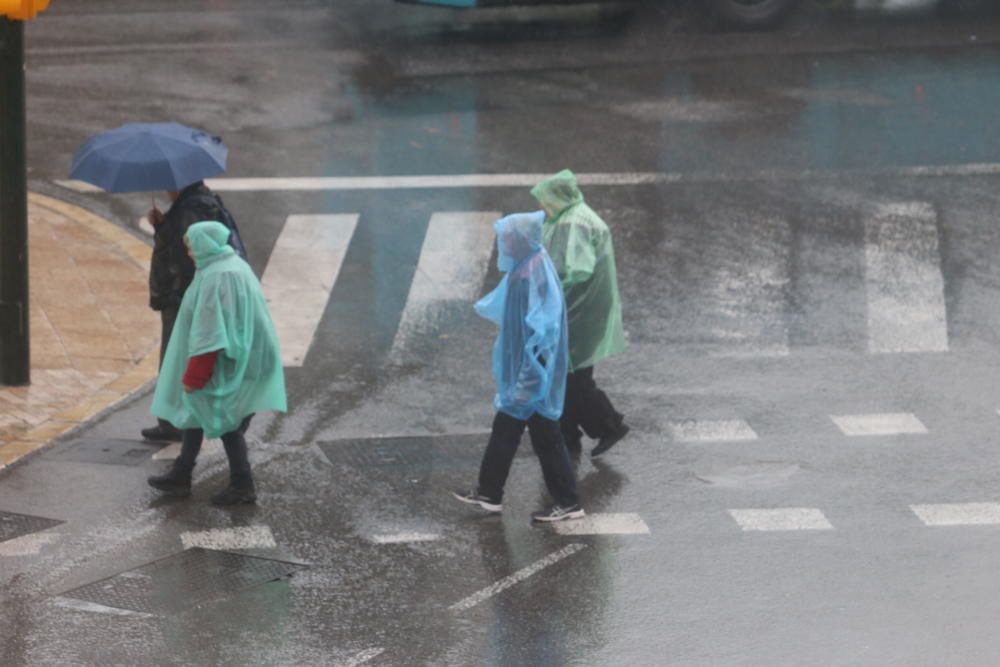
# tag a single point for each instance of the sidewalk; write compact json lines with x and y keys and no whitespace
{"x":94,"y":339}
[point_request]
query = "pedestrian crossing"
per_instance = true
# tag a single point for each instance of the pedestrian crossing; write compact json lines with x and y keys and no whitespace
{"x":742,"y":305}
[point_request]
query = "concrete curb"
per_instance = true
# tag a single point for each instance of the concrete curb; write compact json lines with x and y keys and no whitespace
{"x":124,"y":386}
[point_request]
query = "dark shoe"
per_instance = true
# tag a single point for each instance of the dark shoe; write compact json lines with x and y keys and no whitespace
{"x":473,"y":497}
{"x":232,"y":495}
{"x":161,"y":433}
{"x":609,"y":441}
{"x":559,"y":513}
{"x":177,"y":482}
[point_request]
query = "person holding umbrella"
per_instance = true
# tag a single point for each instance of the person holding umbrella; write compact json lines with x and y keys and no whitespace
{"x":141,"y":157}
{"x":222,"y":364}
{"x":580,"y":245}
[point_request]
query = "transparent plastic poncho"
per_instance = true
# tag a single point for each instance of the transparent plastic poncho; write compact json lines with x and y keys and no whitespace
{"x":223,"y":310}
{"x":530,"y":355}
{"x":579,"y":243}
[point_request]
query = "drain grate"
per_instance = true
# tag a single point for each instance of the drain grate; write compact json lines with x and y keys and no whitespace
{"x":413,"y":451}
{"x":14,"y":525}
{"x":183,"y":580}
{"x":109,"y":451}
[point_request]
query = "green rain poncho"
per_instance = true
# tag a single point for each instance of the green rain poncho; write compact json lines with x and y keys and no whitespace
{"x":580,"y":246}
{"x":223,"y":310}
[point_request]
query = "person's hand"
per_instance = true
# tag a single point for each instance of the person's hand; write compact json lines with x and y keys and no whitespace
{"x":155,"y":216}
{"x":188,"y":389}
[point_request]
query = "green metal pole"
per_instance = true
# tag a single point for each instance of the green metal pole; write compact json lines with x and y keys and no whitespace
{"x":15,"y":357}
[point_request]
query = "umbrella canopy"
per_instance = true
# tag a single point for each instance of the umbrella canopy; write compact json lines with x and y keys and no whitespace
{"x":142,"y":157}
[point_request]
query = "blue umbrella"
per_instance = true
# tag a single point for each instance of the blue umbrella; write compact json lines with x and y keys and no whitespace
{"x":142,"y":157}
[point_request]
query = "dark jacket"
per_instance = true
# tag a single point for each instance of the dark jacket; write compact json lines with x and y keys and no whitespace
{"x":171,"y":270}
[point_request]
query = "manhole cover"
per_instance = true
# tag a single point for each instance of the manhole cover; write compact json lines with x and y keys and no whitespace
{"x":13,"y":525}
{"x":413,"y":451}
{"x":751,"y":475}
{"x":111,"y":451}
{"x":183,"y":580}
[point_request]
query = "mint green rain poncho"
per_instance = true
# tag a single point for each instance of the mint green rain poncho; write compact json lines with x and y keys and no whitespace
{"x":224,"y":310}
{"x":580,"y":246}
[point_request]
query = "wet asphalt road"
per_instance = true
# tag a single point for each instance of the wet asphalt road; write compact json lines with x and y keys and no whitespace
{"x":751,"y":274}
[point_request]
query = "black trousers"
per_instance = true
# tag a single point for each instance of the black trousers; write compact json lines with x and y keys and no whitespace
{"x":167,"y":318}
{"x":236,"y":451}
{"x":587,"y":407}
{"x":547,"y":442}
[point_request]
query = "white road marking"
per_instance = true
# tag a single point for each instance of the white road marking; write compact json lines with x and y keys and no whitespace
{"x":28,"y":545}
{"x":703,"y":430}
{"x":784,"y":519}
{"x":300,"y":275}
{"x":603,"y":524}
{"x":404,"y":538}
{"x":906,"y":308}
{"x":94,"y":608}
{"x":958,"y":514}
{"x":278,"y":184}
{"x":453,"y":263}
{"x":209,"y":447}
{"x":226,"y":539}
{"x":903,"y":423}
{"x":361,"y":658}
{"x":517,"y":577}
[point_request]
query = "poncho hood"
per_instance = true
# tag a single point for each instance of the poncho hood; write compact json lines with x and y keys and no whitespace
{"x":209,"y":241}
{"x":558,"y":192}
{"x":519,"y":236}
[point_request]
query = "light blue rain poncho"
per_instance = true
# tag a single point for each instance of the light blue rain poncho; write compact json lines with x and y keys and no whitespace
{"x":531,"y":352}
{"x":223,"y":310}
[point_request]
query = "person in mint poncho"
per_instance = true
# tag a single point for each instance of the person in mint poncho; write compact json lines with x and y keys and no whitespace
{"x":221,"y":366}
{"x":580,"y":245}
{"x":529,"y":366}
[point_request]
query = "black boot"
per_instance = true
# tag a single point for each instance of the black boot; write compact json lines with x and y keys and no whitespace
{"x":177,"y":482}
{"x":241,"y":488}
{"x":162,"y":432}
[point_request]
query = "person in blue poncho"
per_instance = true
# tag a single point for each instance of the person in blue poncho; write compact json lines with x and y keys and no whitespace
{"x":530,"y":358}
{"x":221,"y":366}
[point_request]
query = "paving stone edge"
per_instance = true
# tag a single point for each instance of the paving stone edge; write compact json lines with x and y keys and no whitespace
{"x":125,"y":386}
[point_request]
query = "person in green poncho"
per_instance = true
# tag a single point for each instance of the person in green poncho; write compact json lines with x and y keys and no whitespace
{"x":579,"y":243}
{"x":221,"y":366}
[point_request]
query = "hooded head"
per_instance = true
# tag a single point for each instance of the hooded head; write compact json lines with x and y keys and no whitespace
{"x":557,"y":193}
{"x":208,"y":241}
{"x":518,"y":237}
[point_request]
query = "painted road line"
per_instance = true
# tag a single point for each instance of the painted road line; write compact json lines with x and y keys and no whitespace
{"x":453,"y":263}
{"x":603,"y":524}
{"x":210,"y":447}
{"x":94,"y":608}
{"x":906,"y":308}
{"x":300,"y":275}
{"x":28,"y":545}
{"x":278,"y":184}
{"x":958,"y":514}
{"x":784,"y":519}
{"x":361,"y":658}
{"x":404,"y":538}
{"x":707,"y":430}
{"x":901,"y":423}
{"x":517,"y":577}
{"x":226,"y":539}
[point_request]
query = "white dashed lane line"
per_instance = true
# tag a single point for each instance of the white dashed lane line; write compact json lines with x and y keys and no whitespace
{"x":958,"y":514}
{"x":704,"y":430}
{"x":900,"y":423}
{"x":228,"y":539}
{"x":783,"y":519}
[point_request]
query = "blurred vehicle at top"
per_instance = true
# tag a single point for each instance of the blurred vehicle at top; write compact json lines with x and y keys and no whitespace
{"x":751,"y":14}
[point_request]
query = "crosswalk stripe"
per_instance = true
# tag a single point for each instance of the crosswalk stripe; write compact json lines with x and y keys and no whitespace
{"x":453,"y":263}
{"x":906,"y":309}
{"x":781,"y":519}
{"x":300,"y":275}
{"x":958,"y":514}
{"x":881,"y":424}
{"x":603,"y":524}
{"x":710,"y":430}
{"x":226,"y":539}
